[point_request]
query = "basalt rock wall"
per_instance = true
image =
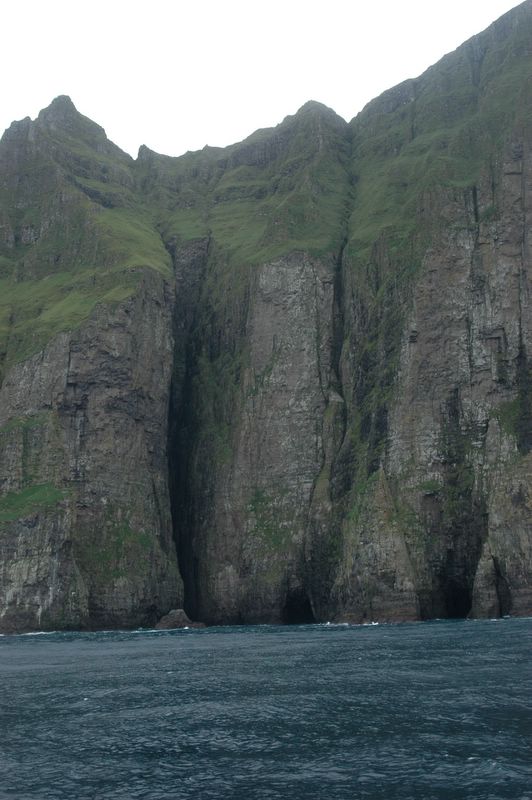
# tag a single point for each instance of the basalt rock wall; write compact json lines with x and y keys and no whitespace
{"x":285,"y":381}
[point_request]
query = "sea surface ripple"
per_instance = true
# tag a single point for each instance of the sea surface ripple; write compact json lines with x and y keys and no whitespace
{"x":435,"y":711}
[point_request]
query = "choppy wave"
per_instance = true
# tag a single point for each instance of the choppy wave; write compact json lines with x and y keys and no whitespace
{"x":387,"y":712}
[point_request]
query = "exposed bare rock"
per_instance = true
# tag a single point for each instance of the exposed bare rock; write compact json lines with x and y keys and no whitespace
{"x":285,"y":381}
{"x":177,"y":619}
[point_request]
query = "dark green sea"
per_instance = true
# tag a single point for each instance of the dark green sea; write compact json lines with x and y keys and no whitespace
{"x":430,"y":710}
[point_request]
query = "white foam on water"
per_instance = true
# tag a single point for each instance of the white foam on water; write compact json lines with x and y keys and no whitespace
{"x":333,"y":624}
{"x":158,"y":630}
{"x":146,"y":630}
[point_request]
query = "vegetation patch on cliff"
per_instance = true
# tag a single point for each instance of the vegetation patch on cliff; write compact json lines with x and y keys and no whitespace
{"x":32,"y":499}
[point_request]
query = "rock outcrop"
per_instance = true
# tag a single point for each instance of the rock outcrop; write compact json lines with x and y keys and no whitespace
{"x":86,"y":530}
{"x":285,"y":381}
{"x":177,"y":618}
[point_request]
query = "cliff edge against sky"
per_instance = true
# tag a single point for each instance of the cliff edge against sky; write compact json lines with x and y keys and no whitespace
{"x":289,"y":380}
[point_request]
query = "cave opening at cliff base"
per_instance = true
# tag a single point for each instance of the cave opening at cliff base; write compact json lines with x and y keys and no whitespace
{"x":297,"y":609}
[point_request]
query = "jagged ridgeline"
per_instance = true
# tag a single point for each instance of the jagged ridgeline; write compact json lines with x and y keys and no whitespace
{"x":288,"y":380}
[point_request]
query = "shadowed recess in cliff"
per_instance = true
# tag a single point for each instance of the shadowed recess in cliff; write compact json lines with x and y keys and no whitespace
{"x":464,"y":518}
{"x":180,"y":438}
{"x":297,"y":609}
{"x":190,"y":263}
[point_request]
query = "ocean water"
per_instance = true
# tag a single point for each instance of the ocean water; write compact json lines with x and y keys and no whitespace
{"x":429,"y":710}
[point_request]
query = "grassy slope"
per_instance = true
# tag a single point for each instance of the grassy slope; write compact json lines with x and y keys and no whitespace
{"x":439,"y":130}
{"x":85,"y":217}
{"x":78,"y":234}
{"x":420,"y":140}
{"x":82,"y":222}
{"x":280,"y":190}
{"x":85,"y":220}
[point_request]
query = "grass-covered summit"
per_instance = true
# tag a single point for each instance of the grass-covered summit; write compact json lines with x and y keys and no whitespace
{"x":80,"y":219}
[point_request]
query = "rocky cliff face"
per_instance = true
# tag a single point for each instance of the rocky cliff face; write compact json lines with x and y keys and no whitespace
{"x":86,"y":531}
{"x":285,"y":381}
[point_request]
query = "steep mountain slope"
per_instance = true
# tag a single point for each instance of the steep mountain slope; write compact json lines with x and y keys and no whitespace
{"x":441,"y":308}
{"x":429,"y":489}
{"x":87,"y":301}
{"x":282,"y":381}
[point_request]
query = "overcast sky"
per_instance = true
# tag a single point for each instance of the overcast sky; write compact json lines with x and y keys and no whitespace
{"x":179,"y":74}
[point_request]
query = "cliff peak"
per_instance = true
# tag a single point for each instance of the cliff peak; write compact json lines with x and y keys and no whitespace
{"x":62,"y":115}
{"x":314,"y":106}
{"x":145,"y":153}
{"x":314,"y":109}
{"x":17,"y":131}
{"x":60,"y":110}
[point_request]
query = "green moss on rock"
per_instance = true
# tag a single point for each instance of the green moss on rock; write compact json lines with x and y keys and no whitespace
{"x":29,"y":501}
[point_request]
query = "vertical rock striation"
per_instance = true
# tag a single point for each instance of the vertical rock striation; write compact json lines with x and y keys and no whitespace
{"x":86,"y":533}
{"x":285,"y":381}
{"x":434,"y":364}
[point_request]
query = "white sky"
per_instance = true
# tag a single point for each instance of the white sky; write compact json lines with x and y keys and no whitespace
{"x":178,"y":74}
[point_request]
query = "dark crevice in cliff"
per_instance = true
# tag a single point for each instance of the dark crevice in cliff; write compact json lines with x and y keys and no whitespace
{"x":342,"y":458}
{"x":207,"y":379}
{"x":322,"y":377}
{"x":457,"y":597}
{"x":523,"y":415}
{"x":474,"y":195}
{"x":178,"y":447}
{"x":297,"y":609}
{"x":189,"y":266}
{"x":464,"y":522}
{"x":502,"y":589}
{"x":338,"y":316}
{"x":337,"y":344}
